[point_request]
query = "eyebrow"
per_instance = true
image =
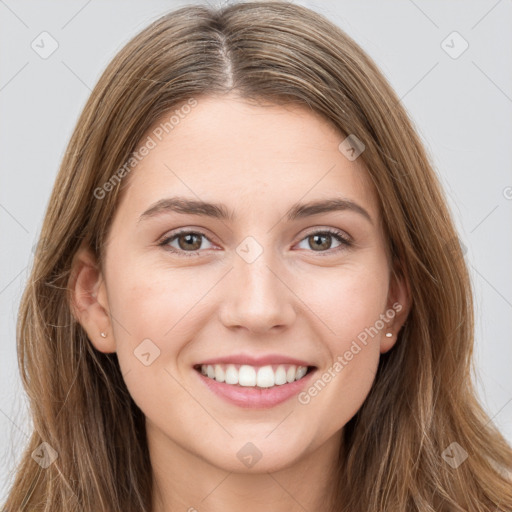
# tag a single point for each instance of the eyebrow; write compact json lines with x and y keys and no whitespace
{"x":187,"y":206}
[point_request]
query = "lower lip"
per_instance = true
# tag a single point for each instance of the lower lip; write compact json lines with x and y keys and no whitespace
{"x":256,"y":398}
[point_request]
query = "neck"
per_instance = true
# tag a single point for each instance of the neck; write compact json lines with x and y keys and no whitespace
{"x":184,"y":481}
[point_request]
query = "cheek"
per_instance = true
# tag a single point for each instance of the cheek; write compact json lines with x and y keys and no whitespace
{"x":347,"y":299}
{"x":153,"y":318}
{"x":152,"y":301}
{"x":338,"y":391}
{"x":351,"y":304}
{"x":145,"y":308}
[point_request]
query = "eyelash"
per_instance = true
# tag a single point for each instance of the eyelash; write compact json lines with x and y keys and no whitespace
{"x":344,"y":241}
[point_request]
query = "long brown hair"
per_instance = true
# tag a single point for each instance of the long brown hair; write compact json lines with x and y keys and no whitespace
{"x":423,"y":398}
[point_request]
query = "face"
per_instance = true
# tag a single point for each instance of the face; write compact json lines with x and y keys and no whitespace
{"x":248,"y":290}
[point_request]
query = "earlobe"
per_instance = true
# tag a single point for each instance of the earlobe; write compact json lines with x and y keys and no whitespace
{"x":88,"y":300}
{"x":387,"y":342}
{"x":398,"y":307}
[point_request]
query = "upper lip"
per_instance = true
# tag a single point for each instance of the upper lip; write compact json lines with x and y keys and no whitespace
{"x":255,"y":361}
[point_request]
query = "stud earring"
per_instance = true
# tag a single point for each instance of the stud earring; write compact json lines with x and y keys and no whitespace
{"x":103,"y":334}
{"x":389,"y":335}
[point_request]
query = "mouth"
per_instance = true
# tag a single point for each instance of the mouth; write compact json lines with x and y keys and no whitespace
{"x":256,"y":377}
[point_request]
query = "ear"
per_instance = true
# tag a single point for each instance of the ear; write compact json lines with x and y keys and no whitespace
{"x":398,"y":307}
{"x":88,"y":300}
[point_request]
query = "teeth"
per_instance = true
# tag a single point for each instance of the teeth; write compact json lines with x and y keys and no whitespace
{"x":301,"y":371}
{"x":220,"y":376}
{"x":252,"y":376}
{"x":247,"y":376}
{"x":231,"y":375}
{"x":265,"y":377}
{"x":280,"y":375}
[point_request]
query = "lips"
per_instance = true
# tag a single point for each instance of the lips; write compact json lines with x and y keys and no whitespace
{"x":272,"y":359}
{"x":256,"y":372}
{"x":255,"y":397}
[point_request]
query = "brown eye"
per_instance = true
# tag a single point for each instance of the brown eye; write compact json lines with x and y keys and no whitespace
{"x":189,"y":241}
{"x":321,"y":241}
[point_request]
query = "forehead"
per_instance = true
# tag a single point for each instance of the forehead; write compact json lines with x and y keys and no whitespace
{"x":252,"y":157}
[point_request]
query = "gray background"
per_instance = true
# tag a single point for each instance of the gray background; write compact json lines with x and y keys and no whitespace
{"x":461,"y":107}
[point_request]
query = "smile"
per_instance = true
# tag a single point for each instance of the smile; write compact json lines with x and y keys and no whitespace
{"x":246,"y":375}
{"x":263,"y":384}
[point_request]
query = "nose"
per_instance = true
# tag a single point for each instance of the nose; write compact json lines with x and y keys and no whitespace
{"x":257,"y":297}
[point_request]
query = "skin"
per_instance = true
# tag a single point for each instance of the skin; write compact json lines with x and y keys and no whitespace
{"x":258,"y":160}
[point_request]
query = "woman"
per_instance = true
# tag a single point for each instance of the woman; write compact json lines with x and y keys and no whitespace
{"x":312,"y":351}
